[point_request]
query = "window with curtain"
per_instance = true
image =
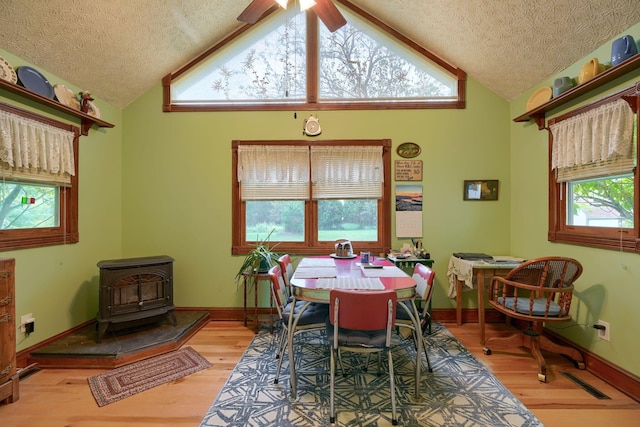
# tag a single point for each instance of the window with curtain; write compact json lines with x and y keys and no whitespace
{"x":308,"y":195}
{"x":593,"y":177}
{"x":38,"y":180}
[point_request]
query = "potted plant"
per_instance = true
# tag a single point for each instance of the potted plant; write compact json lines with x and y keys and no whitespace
{"x":259,"y":259}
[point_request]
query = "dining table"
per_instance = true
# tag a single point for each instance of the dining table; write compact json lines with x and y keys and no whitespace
{"x":315,"y":276}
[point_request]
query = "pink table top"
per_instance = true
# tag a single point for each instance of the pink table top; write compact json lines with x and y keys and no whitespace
{"x":390,"y":276}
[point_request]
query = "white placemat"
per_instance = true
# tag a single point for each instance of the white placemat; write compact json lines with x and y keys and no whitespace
{"x":386,"y":271}
{"x":317,"y":262}
{"x":314,"y":272}
{"x":351,"y":283}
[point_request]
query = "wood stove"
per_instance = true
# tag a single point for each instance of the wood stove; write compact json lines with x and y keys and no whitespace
{"x":134,"y":291}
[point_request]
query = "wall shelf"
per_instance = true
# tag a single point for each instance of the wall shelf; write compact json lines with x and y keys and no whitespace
{"x":538,"y":113}
{"x":86,"y":121}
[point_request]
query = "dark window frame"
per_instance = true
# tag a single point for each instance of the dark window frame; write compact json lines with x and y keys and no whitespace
{"x":311,"y":246}
{"x":67,"y":231}
{"x":621,"y":239}
{"x":312,"y":103}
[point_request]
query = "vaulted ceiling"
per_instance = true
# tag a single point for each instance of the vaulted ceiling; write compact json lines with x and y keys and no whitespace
{"x":118,"y":49}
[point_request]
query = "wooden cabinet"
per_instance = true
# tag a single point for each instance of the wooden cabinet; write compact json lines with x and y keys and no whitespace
{"x":9,"y":380}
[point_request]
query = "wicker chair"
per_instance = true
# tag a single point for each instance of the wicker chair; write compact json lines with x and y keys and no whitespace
{"x":537,"y":291}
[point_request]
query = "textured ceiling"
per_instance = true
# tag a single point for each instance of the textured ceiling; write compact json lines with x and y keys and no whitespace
{"x":118,"y":49}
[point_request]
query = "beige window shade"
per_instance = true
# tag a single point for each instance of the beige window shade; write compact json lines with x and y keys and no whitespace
{"x":268,"y":172}
{"x":594,"y":144}
{"x":34,"y":151}
{"x":347,"y":172}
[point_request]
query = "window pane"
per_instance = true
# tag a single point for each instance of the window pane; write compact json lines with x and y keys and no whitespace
{"x":604,"y":202}
{"x":24,"y":206}
{"x":284,"y":217}
{"x":352,"y":219}
{"x":359,"y":62}
{"x":269,"y":65}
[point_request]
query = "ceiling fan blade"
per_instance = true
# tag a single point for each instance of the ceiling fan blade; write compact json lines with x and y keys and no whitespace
{"x":255,"y":10}
{"x":329,"y":14}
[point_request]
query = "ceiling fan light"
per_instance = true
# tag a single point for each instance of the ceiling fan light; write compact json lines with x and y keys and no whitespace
{"x":283,"y":3}
{"x":306,"y":4}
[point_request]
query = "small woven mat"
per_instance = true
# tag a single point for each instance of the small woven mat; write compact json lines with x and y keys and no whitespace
{"x":136,"y":377}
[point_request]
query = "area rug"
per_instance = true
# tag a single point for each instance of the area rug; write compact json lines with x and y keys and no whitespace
{"x":136,"y":377}
{"x":459,"y":392}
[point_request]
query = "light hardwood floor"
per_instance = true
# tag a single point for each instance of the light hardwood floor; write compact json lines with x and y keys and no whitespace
{"x":61,"y":397}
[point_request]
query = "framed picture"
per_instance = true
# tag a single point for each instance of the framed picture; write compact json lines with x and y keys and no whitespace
{"x":481,"y":189}
{"x":408,"y":150}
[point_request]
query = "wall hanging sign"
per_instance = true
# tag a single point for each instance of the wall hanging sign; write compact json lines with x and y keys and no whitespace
{"x":408,"y":150}
{"x":481,"y":189}
{"x":408,"y":170}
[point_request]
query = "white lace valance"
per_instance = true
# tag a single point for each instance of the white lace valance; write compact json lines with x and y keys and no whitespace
{"x":32,"y":150}
{"x":594,"y":144}
{"x":270,"y":172}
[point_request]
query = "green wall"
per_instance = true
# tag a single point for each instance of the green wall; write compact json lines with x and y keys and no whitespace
{"x":177,"y":173}
{"x":59,"y":284}
{"x":609,"y":285}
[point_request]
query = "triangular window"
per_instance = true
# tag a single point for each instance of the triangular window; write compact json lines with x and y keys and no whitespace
{"x":363,"y":65}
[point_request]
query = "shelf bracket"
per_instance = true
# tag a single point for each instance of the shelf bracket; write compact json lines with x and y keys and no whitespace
{"x":85,"y":125}
{"x":540,"y":120}
{"x":632,"y":100}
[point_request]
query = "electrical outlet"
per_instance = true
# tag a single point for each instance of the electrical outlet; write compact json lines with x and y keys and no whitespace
{"x":27,"y":318}
{"x":603,"y":334}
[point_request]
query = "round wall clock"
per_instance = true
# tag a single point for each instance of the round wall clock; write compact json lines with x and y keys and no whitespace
{"x":408,"y":150}
{"x":312,"y":126}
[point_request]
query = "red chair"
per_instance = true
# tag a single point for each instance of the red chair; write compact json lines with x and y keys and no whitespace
{"x":286,"y":266}
{"x":424,"y":277}
{"x":361,"y":322}
{"x":313,"y":318}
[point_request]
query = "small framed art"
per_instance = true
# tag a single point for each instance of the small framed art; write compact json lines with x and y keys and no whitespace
{"x":481,"y":189}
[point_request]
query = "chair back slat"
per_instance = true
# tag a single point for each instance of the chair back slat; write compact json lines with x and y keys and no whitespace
{"x":277,"y":289}
{"x":541,"y":288}
{"x":363,"y":310}
{"x":286,"y":268}
{"x":424,"y":277}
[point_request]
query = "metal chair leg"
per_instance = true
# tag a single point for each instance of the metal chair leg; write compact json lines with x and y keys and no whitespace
{"x":283,"y":346}
{"x":426,"y":354}
{"x":392,"y":386}
{"x":332,"y":387}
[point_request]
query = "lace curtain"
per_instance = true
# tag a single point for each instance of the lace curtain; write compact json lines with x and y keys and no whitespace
{"x":34,"y":151}
{"x":594,"y":144}
{"x":273,"y":172}
{"x":270,"y":172}
{"x":342,"y":172}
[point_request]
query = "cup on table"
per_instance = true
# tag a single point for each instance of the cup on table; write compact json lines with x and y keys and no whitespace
{"x":365,"y":257}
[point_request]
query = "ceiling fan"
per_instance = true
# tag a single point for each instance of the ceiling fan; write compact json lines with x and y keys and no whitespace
{"x":325,"y":9}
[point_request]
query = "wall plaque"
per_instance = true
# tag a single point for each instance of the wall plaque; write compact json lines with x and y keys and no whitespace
{"x":408,"y":170}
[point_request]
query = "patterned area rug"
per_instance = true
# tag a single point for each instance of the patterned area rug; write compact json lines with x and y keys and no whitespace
{"x":459,"y":392}
{"x":136,"y":377}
